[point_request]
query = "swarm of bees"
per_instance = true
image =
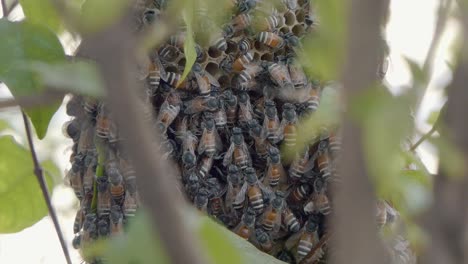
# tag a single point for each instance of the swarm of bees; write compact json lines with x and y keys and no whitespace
{"x":224,"y":126}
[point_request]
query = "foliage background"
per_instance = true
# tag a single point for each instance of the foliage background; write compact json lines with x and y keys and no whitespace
{"x":408,"y":36}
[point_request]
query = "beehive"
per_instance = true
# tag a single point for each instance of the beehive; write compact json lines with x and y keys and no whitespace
{"x":223,"y":126}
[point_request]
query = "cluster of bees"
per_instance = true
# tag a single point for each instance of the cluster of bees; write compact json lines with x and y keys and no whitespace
{"x":224,"y":126}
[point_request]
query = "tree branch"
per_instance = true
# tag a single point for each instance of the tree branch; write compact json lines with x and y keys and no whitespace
{"x":354,"y":225}
{"x":156,"y":180}
{"x":33,"y":100}
{"x":5,"y":11}
{"x":40,"y":178}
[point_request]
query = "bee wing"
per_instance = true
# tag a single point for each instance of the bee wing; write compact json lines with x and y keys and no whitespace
{"x":247,"y":153}
{"x":194,"y":106}
{"x":201,"y":147}
{"x":293,"y":240}
{"x":240,"y":197}
{"x":264,"y":129}
{"x":230,"y":197}
{"x":158,"y":64}
{"x":267,"y":192}
{"x":218,"y":142}
{"x":283,"y":177}
{"x":212,"y":79}
{"x":281,"y":129}
{"x":228,"y":157}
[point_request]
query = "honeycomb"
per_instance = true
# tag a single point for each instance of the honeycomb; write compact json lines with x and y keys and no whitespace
{"x":224,"y":126}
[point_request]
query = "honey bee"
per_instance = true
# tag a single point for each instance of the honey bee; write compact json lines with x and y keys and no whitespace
{"x":169,"y":110}
{"x":90,"y":106}
{"x":172,"y":79}
{"x":130,"y":205}
{"x":71,"y":129}
{"x":156,"y":72}
{"x":245,"y":45}
{"x":246,"y":5}
{"x":299,"y":194}
{"x":297,"y":74}
{"x":318,"y":202}
{"x":269,"y":23}
{"x":168,"y":53}
{"x":275,"y":176}
{"x":263,"y":240}
{"x":334,"y":143}
{"x":200,"y":104}
{"x":188,"y":150}
{"x":79,"y":219}
{"x":231,"y":108}
{"x":215,"y":203}
{"x":279,"y":75}
{"x":89,"y":229}
{"x":104,"y":199}
{"x":271,"y":39}
{"x":242,"y":62}
{"x":245,"y":228}
{"x":298,"y":166}
{"x":261,"y":145}
{"x":220,"y":116}
{"x":235,"y":184}
{"x":288,"y":125}
{"x":245,"y":115}
{"x":290,"y":221}
{"x":102,"y":122}
{"x":313,"y":101}
{"x":103,"y":228}
{"x":247,"y":76}
{"x":201,"y":200}
{"x":219,"y":43}
{"x":323,"y":165}
{"x":117,"y":189}
{"x":204,"y":80}
{"x":116,"y":220}
{"x":305,"y":240}
{"x":85,"y":143}
{"x":271,"y":123}
{"x":271,"y":218}
{"x":88,"y":177}
{"x":129,"y":175}
{"x":238,"y":23}
{"x":254,"y":190}
{"x":238,"y":153}
{"x":75,"y":176}
{"x":178,"y":40}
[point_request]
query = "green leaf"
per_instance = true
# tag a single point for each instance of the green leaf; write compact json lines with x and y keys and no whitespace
{"x":41,"y":13}
{"x":21,"y":198}
{"x":451,"y":157}
{"x":80,"y":77}
{"x":419,"y":76}
{"x":98,"y":14}
{"x":3,"y":125}
{"x":189,"y":45}
{"x":23,"y":43}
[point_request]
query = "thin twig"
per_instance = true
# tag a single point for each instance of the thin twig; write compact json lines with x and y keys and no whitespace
{"x":423,"y":138}
{"x":40,"y":178}
{"x":5,"y":11}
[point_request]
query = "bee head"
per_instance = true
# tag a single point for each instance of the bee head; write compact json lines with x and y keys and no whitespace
{"x":274,"y":155}
{"x":243,"y":97}
{"x":311,"y":226}
{"x":250,"y":175}
{"x":261,"y":236}
{"x":188,"y":159}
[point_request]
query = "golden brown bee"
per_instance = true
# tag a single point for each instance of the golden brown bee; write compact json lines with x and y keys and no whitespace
{"x":210,"y":142}
{"x":89,"y":229}
{"x":271,"y":39}
{"x":220,"y":116}
{"x":297,"y":74}
{"x":169,"y":109}
{"x":104,"y":198}
{"x":260,"y":143}
{"x":247,"y":76}
{"x":263,"y":240}
{"x":75,"y":176}
{"x":231,"y":108}
{"x":200,"y":104}
{"x":117,"y":188}
{"x":201,"y":200}
{"x":168,"y":53}
{"x":235,"y":183}
{"x":204,"y":80}
{"x":307,"y":240}
{"x":290,"y":221}
{"x":88,"y":176}
{"x":318,"y":202}
{"x":238,"y":153}
{"x":299,"y":194}
{"x":313,"y":101}
{"x":102,"y":122}
{"x":79,"y":219}
{"x":275,"y":176}
{"x":245,"y":45}
{"x":288,"y":125}
{"x":86,"y":143}
{"x":269,"y":23}
{"x":188,"y":150}
{"x":90,"y":106}
{"x":271,"y":218}
{"x":238,"y":23}
{"x":116,"y":220}
{"x":254,"y":190}
{"x":279,"y":75}
{"x":245,"y":228}
{"x":271,"y":123}
{"x":297,"y":168}
{"x":130,"y":205}
{"x":323,"y":165}
{"x":156,"y":72}
{"x":245,"y":115}
{"x":205,"y":166}
{"x":242,"y":62}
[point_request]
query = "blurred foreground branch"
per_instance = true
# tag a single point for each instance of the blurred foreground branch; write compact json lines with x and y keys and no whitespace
{"x":113,"y":51}
{"x":45,"y":98}
{"x":355,"y":238}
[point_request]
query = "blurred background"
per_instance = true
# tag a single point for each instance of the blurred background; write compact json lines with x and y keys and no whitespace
{"x":409,"y":33}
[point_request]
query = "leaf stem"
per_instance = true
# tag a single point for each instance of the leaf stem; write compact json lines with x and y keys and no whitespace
{"x":40,"y":178}
{"x":423,"y":138}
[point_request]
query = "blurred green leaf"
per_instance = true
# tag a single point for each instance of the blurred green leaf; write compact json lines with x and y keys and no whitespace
{"x":451,"y":158}
{"x":189,"y":44}
{"x":3,"y":125}
{"x":42,"y":13}
{"x":21,"y":198}
{"x":433,"y":117}
{"x":80,"y":77}
{"x":23,"y":43}
{"x":323,"y":52}
{"x":98,"y":14}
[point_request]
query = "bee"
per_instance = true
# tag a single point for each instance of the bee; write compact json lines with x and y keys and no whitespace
{"x":117,"y":189}
{"x":263,"y":240}
{"x":231,"y":108}
{"x":114,"y":135}
{"x":88,"y":177}
{"x":238,"y":23}
{"x":235,"y":183}
{"x":188,"y":149}
{"x":313,"y":100}
{"x":247,"y":76}
{"x":89,"y":229}
{"x":219,"y":116}
{"x":334,"y":143}
{"x":71,"y":129}
{"x":299,"y":194}
{"x":269,"y":23}
{"x":104,"y":199}
{"x":271,"y":124}
{"x":86,"y":143}
{"x":323,"y":165}
{"x":75,"y":106}
{"x":271,"y":218}
{"x":245,"y":228}
{"x":275,"y":176}
{"x":172,"y":79}
{"x":129,"y":175}
{"x":201,"y":200}
{"x":181,"y":127}
{"x":205,"y":166}
{"x":215,"y":203}
{"x":168,"y":53}
{"x":169,"y":110}
{"x":79,"y":219}
{"x":219,"y":43}
{"x":254,"y":190}
{"x":200,"y":104}
{"x":130,"y":205}
{"x":290,"y":221}
{"x":238,"y":153}
{"x":103,"y":228}
{"x":318,"y":202}
{"x":304,"y":240}
{"x":102,"y":122}
{"x":381,"y":214}
{"x":242,"y":62}
{"x":297,"y":74}
{"x":271,"y":39}
{"x":298,"y":166}
{"x":75,"y":176}
{"x":116,"y":220}
{"x":204,"y":80}
{"x":245,"y":45}
{"x":288,"y":125}
{"x":90,"y":106}
{"x":156,"y":72}
{"x":280,"y":76}
{"x":260,"y":143}
{"x":76,"y":243}
{"x":245,"y":115}
{"x":246,"y":5}
{"x":177,"y":40}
